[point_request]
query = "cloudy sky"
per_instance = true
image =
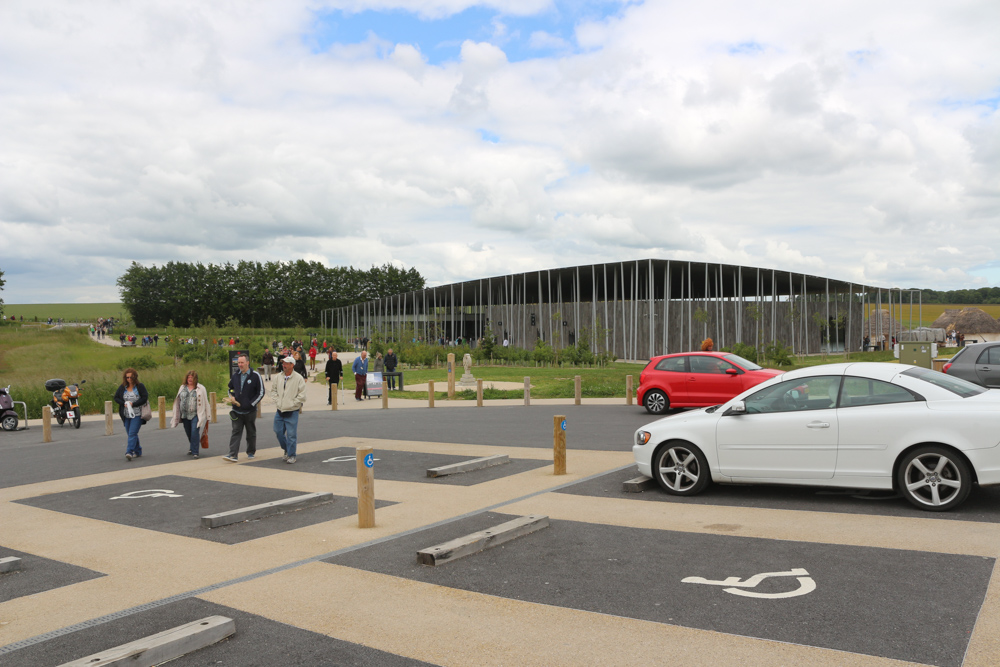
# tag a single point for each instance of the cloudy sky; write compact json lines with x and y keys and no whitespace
{"x":854,"y":139}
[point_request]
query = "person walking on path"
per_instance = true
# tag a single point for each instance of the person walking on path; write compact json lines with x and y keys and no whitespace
{"x":391,"y":361}
{"x":312,"y":356}
{"x":130,"y":397}
{"x":246,"y":390}
{"x":289,"y":394}
{"x":191,"y":409}
{"x":334,"y":371}
{"x":267,"y":361}
{"x":360,"y":368}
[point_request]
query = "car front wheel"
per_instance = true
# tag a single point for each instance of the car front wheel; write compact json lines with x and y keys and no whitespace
{"x":681,"y":469}
{"x":934,"y":478}
{"x":656,"y":402}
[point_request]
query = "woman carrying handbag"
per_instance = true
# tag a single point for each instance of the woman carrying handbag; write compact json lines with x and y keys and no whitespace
{"x":191,"y":409}
{"x":133,"y":406}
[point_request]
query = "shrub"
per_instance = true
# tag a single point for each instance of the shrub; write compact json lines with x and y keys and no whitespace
{"x":778,"y":354}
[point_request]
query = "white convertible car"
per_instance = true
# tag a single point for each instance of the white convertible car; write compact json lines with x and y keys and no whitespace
{"x":928,"y":435}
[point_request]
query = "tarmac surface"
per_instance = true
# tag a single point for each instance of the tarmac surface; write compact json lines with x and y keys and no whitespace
{"x":752,"y":575}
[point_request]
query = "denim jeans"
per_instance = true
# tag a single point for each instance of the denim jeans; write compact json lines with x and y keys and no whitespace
{"x":132,"y":426}
{"x":194,"y":437}
{"x":286,"y":429}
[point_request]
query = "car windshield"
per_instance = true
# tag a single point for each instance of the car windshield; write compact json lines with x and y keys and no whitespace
{"x":963,"y":388}
{"x":742,"y":363}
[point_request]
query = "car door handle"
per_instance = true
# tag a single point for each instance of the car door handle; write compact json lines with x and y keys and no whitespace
{"x":818,"y":425}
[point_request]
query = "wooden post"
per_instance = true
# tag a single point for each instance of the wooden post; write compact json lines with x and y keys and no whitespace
{"x":366,"y":488}
{"x":559,"y":445}
{"x":577,"y":390}
{"x":260,"y":408}
{"x":334,"y":396}
{"x":109,"y":424}
{"x":385,"y":394}
{"x":479,"y":393}
{"x":430,"y":394}
{"x":161,"y":408}
{"x":451,"y":376}
{"x":628,"y":390}
{"x":46,"y":424}
{"x":527,"y":391}
{"x":212,"y":398}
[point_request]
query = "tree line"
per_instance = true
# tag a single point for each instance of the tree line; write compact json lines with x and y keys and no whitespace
{"x":962,"y":296}
{"x":255,"y":294}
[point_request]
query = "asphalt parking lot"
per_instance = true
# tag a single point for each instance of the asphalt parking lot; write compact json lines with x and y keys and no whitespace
{"x":114,"y":551}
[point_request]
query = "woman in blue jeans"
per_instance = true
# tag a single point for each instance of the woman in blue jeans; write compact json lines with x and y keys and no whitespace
{"x":191,"y":409}
{"x":130,"y":397}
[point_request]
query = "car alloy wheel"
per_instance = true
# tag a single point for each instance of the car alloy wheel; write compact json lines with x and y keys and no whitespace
{"x":681,"y":469}
{"x":656,"y":402}
{"x":934,"y":478}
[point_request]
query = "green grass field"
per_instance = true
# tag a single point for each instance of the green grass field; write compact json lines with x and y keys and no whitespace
{"x":69,"y":312}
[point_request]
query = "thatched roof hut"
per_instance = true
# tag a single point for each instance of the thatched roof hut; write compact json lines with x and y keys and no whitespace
{"x":946,"y":320}
{"x":972,"y":321}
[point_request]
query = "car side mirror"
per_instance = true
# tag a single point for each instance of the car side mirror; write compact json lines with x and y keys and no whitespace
{"x":737,"y":408}
{"x":732,"y":371}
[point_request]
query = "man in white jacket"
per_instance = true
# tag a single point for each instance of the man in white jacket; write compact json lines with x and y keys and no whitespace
{"x":288,"y":391}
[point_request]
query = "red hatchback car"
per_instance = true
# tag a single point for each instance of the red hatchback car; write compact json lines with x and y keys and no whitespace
{"x":696,"y":379}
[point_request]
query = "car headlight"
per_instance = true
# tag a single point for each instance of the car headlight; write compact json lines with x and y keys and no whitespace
{"x":641,"y":437}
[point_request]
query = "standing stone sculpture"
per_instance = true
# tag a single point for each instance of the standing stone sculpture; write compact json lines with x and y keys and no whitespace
{"x":467,"y":379}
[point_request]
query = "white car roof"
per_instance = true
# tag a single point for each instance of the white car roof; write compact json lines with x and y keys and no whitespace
{"x":868,"y":369}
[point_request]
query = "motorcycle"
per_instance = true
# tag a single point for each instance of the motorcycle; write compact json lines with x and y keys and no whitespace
{"x":65,"y":401}
{"x":8,"y":416}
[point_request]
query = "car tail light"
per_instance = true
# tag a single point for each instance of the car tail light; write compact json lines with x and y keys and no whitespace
{"x":944,"y":369}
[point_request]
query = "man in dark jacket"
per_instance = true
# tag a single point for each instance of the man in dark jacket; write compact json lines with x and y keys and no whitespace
{"x":246,"y":390}
{"x":391,"y":361}
{"x":334,"y":371}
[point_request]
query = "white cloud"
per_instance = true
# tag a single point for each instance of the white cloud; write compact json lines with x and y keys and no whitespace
{"x":856,"y":140}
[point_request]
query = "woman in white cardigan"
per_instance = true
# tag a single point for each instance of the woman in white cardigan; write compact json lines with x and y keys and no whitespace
{"x":191,"y":409}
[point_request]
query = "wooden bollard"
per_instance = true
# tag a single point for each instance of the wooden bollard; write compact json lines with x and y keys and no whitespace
{"x":46,"y":424}
{"x":260,"y":408}
{"x":577,"y":390}
{"x":161,"y":408}
{"x":430,"y":394}
{"x":479,"y":393}
{"x":109,"y":424}
{"x":212,"y":398}
{"x":559,"y":445}
{"x":628,"y":390}
{"x":366,"y":487}
{"x":527,"y":391}
{"x":385,"y":394}
{"x":451,"y":376}
{"x":334,"y":396}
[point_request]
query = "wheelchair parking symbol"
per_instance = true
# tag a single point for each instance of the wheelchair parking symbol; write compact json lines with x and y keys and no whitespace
{"x":148,"y":493}
{"x":738,"y":587}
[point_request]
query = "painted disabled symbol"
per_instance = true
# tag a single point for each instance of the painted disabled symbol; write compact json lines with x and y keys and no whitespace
{"x":737,"y":586}
{"x":148,"y":493}
{"x":345,"y":459}
{"x":369,"y":460}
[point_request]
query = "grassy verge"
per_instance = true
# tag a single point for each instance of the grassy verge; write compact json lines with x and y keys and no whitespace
{"x":29,"y":357}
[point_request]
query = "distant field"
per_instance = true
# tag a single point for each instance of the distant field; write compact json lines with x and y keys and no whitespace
{"x":69,"y":312}
{"x":931,"y":311}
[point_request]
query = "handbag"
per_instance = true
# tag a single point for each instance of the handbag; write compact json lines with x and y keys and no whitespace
{"x":204,"y":437}
{"x":145,"y":413}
